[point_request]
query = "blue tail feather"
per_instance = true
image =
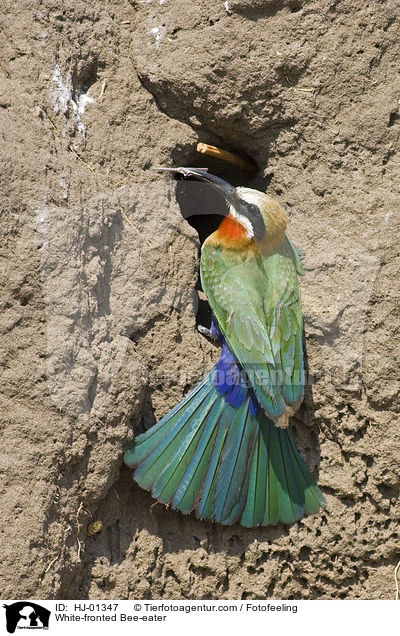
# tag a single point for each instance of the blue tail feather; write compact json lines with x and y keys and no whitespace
{"x":190,"y":485}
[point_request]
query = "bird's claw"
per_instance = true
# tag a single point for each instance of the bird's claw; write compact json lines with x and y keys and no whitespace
{"x":207,"y":333}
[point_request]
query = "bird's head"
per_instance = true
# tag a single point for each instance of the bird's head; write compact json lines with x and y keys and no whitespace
{"x":260,"y":218}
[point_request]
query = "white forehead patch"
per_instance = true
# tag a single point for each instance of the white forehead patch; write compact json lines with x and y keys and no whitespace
{"x":243,"y":220}
{"x":255,"y":197}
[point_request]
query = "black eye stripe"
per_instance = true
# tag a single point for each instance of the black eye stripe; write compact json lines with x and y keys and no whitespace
{"x":252,"y":212}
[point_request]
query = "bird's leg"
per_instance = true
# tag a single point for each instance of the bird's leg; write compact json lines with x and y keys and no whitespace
{"x":213,"y":334}
{"x":207,"y":333}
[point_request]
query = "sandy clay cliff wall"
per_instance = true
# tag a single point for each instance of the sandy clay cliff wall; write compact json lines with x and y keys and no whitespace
{"x":99,"y":280}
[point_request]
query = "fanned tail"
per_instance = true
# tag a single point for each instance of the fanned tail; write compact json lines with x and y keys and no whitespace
{"x":229,"y":465}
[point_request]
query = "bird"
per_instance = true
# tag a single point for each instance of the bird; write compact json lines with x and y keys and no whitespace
{"x":225,"y":451}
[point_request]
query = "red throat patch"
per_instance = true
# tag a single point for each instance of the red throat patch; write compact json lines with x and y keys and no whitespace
{"x":231,"y":235}
{"x":231,"y":230}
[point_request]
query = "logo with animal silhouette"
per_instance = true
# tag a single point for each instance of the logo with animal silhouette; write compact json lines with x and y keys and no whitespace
{"x":26,"y":615}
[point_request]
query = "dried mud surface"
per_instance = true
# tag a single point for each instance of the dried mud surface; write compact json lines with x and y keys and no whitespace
{"x":99,"y":285}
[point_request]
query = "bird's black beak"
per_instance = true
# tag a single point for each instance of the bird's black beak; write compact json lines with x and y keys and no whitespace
{"x":200,"y":174}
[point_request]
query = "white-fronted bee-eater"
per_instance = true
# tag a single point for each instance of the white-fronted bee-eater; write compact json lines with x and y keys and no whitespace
{"x":225,"y":451}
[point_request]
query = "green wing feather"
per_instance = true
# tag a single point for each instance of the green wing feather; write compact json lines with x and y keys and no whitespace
{"x":256,"y":301}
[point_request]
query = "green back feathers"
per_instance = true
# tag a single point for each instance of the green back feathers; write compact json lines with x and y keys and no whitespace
{"x":256,"y":301}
